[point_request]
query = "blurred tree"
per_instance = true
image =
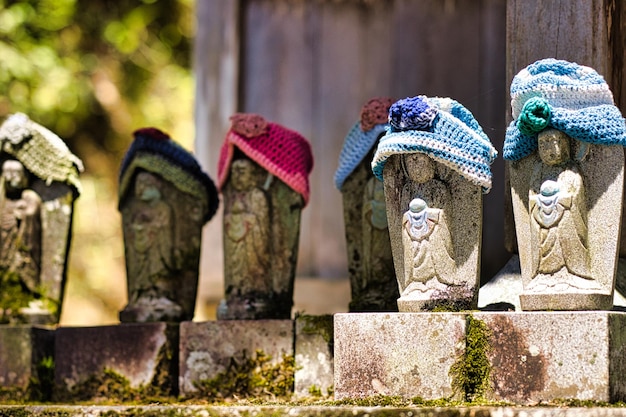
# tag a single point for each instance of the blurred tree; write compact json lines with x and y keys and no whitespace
{"x":93,"y":71}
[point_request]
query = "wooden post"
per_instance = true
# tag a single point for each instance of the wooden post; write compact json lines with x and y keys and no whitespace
{"x":591,"y":33}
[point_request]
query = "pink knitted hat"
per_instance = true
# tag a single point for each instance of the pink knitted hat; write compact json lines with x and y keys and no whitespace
{"x":282,"y":152}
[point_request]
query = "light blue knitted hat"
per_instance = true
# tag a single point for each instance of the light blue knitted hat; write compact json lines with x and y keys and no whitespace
{"x":442,"y":129}
{"x":565,"y":96}
{"x":362,"y":137}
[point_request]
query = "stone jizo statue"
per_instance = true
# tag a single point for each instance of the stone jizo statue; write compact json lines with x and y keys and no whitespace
{"x":435,"y":163}
{"x":263,"y":176}
{"x":370,"y":261}
{"x":165,"y":199}
{"x":38,"y":186}
{"x":566,"y":172}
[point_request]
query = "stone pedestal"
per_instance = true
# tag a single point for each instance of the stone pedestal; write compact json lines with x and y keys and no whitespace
{"x":543,"y":356}
{"x":24,"y":351}
{"x":314,"y":356}
{"x":407,"y":354}
{"x":532,"y":356}
{"x":215,"y":355}
{"x":140,"y":356}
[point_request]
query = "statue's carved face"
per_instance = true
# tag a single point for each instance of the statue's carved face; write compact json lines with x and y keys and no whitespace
{"x":241,"y":175}
{"x":147,"y":187}
{"x":14,"y":175}
{"x":419,"y":167}
{"x":553,"y":147}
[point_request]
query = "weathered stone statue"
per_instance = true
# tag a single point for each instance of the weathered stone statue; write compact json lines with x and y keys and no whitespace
{"x":38,"y":187}
{"x":263,"y":176}
{"x":567,"y":169}
{"x":370,"y":262}
{"x":165,"y":199}
{"x":435,"y":163}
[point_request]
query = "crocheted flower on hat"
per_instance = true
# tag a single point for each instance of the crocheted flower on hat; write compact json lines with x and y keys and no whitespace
{"x":248,"y":125}
{"x":281,"y":151}
{"x":362,"y":137}
{"x":41,"y":151}
{"x":154,"y":151}
{"x":375,"y":112}
{"x":442,"y":129}
{"x":565,"y":96}
{"x":412,"y":113}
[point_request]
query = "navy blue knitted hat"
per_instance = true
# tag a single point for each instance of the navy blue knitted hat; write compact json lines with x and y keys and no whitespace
{"x":154,"y":151}
{"x":565,"y":96}
{"x":362,"y":137}
{"x":442,"y":129}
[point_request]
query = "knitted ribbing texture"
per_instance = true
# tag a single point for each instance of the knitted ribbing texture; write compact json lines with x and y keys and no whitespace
{"x":281,"y":151}
{"x":155,"y":152}
{"x":453,"y":138}
{"x":41,"y":151}
{"x":565,"y":96}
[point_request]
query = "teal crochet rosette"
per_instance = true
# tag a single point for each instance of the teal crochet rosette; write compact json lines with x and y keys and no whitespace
{"x":566,"y":96}
{"x":442,"y":129}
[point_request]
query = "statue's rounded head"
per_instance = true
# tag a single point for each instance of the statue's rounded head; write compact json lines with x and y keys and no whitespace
{"x":242,"y":175}
{"x":147,"y":186}
{"x":553,"y":147}
{"x":417,"y":205}
{"x":419,"y":167}
{"x":14,"y":175}
{"x":549,"y":188}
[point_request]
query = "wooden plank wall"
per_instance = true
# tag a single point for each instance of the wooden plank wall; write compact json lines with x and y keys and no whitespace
{"x":311,"y":65}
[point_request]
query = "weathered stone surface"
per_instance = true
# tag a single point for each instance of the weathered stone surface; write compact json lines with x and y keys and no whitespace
{"x":40,"y":183}
{"x":550,"y":355}
{"x":207,"y":349}
{"x":143,"y":353}
{"x":314,"y":356}
{"x":22,"y":348}
{"x":454,"y":242}
{"x":397,"y":353}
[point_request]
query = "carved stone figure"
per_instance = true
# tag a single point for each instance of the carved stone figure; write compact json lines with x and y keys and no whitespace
{"x":165,"y":199}
{"x":263,"y":176}
{"x":566,"y":185}
{"x":37,"y":190}
{"x":435,"y":163}
{"x":370,"y":261}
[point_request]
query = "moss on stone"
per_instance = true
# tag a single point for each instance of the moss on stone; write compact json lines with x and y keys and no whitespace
{"x":254,"y":377}
{"x":14,"y":295}
{"x":471,"y":372}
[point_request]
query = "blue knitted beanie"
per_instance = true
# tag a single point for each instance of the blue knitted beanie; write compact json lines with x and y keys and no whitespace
{"x":362,"y":137}
{"x":565,"y":96}
{"x":442,"y":129}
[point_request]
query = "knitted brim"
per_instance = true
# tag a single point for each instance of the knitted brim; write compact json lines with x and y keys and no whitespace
{"x":356,"y":146}
{"x":281,"y":151}
{"x":155,"y":152}
{"x":41,"y":151}
{"x":573,"y":98}
{"x":455,"y":139}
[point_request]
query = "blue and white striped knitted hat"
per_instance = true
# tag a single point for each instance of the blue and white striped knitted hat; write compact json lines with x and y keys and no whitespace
{"x":442,"y":129}
{"x":565,"y":96}
{"x":362,"y":137}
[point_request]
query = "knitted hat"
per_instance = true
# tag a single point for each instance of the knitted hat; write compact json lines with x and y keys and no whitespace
{"x":442,"y":129}
{"x":362,"y":137}
{"x":565,"y":96}
{"x":282,"y":152}
{"x":155,"y":152}
{"x":40,"y":151}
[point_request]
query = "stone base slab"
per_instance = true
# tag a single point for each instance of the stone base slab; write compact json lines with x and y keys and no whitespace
{"x":565,"y":301}
{"x":207,"y":349}
{"x":22,"y":350}
{"x":534,"y":356}
{"x":406,"y":354}
{"x":314,"y":356}
{"x":143,"y":353}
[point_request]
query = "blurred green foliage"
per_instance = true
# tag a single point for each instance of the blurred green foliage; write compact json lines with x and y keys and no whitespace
{"x":95,"y":70}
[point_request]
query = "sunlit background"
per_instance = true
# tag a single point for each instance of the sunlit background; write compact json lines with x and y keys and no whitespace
{"x":93,"y":72}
